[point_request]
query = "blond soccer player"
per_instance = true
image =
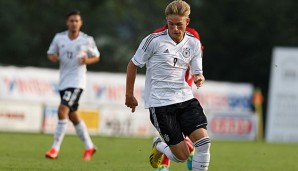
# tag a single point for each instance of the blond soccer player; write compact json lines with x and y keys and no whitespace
{"x":174,"y":111}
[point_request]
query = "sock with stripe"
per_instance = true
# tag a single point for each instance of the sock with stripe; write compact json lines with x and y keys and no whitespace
{"x":82,"y":132}
{"x":59,"y":134}
{"x":165,"y":149}
{"x":201,"y":156}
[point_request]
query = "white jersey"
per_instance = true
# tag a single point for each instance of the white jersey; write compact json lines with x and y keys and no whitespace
{"x":166,"y":63}
{"x":72,"y":73}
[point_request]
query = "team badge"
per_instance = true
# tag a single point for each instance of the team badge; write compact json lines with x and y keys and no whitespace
{"x":78,"y":47}
{"x":186,"y":52}
{"x":166,"y":138}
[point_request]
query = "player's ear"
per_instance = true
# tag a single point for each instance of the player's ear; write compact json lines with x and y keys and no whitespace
{"x":67,"y":22}
{"x":81,"y":19}
{"x":187,"y":21}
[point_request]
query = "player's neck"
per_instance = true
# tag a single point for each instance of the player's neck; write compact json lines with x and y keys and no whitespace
{"x":73,"y":34}
{"x":177,"y":39}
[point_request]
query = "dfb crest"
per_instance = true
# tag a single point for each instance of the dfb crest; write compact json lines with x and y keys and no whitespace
{"x":186,"y":52}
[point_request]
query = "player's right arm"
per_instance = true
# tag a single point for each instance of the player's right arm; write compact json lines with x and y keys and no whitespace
{"x":53,"y":57}
{"x":53,"y":50}
{"x":140,"y":58}
{"x":130,"y":100}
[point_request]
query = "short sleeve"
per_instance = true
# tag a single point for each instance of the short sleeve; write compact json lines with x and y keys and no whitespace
{"x":92,"y":49}
{"x":196,"y":65}
{"x":53,"y":49}
{"x":144,"y":52}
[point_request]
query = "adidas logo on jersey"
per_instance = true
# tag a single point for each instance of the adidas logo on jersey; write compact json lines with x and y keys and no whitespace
{"x":166,"y":51}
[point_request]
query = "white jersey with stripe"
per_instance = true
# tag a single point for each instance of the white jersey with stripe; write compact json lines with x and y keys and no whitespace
{"x":72,"y":73}
{"x":166,"y":63}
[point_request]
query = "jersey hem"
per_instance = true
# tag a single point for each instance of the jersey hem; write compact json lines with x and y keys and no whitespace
{"x":166,"y":104}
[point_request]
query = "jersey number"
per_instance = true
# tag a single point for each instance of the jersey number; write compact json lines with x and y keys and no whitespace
{"x":175,"y":61}
{"x":69,"y":54}
{"x":67,"y":95}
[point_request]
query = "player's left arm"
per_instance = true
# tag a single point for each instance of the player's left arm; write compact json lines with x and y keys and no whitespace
{"x":196,"y":66}
{"x":93,"y":55}
{"x":199,"y":79}
{"x":89,"y":60}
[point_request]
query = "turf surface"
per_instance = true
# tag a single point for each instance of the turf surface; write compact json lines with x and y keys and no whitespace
{"x":25,"y":152}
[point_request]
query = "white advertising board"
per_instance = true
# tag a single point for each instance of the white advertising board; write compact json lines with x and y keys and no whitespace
{"x":36,"y":84}
{"x":282,"y":112}
{"x":225,"y":96}
{"x":108,"y":120}
{"x":106,"y":93}
{"x":109,"y":88}
{"x":20,"y":116}
{"x":41,"y":85}
{"x":28,"y":84}
{"x":90,"y":115}
{"x":232,"y":125}
{"x":119,"y":121}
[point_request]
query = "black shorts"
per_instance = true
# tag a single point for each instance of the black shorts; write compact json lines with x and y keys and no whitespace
{"x":70,"y":97}
{"x":175,"y":121}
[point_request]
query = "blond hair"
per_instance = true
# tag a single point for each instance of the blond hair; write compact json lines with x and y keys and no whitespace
{"x":178,"y":7}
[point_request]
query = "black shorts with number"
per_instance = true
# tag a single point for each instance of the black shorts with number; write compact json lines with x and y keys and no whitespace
{"x":175,"y":121}
{"x":70,"y":97}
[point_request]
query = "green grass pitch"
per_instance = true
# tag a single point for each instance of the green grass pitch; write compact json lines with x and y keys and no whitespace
{"x":25,"y":152}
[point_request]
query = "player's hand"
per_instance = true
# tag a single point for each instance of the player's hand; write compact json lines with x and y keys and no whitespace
{"x":83,"y":60}
{"x":199,"y":79}
{"x":53,"y":58}
{"x":131,"y":102}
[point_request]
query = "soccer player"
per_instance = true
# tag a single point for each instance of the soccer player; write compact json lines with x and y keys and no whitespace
{"x":74,"y":50}
{"x":165,"y":163}
{"x":173,"y":109}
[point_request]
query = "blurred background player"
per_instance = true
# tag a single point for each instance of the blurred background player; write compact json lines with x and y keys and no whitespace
{"x":74,"y":50}
{"x":165,"y":163}
{"x":173,"y":109}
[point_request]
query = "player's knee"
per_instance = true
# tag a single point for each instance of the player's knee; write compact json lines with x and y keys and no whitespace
{"x":63,"y":112}
{"x":75,"y":121}
{"x":181,"y":157}
{"x":74,"y":118}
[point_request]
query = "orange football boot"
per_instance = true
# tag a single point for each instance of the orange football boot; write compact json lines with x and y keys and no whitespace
{"x":88,"y":154}
{"x":52,"y":154}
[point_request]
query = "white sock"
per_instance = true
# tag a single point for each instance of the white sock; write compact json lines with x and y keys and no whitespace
{"x":82,"y":132}
{"x":165,"y":149}
{"x":59,"y":134}
{"x":201,"y":158}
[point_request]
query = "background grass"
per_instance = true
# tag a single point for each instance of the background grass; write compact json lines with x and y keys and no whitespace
{"x":25,"y":152}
